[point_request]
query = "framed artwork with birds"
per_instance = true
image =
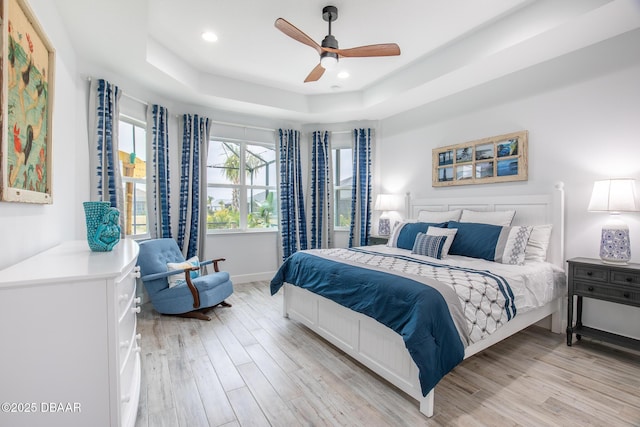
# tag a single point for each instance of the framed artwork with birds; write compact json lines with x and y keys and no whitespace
{"x":28,"y":61}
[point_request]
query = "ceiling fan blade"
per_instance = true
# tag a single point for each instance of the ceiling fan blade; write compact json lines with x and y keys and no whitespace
{"x":387,"y":49}
{"x":315,"y":74}
{"x":293,"y":32}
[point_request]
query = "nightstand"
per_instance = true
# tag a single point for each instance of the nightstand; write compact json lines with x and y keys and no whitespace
{"x":592,"y":278}
{"x":378,"y":240}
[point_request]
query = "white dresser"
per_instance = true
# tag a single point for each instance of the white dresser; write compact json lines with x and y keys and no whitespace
{"x":69,"y":353}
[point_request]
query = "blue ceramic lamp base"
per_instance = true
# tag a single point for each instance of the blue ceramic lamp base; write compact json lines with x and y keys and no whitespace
{"x":614,"y":244}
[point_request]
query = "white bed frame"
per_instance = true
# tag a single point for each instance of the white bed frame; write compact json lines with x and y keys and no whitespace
{"x":381,"y":349}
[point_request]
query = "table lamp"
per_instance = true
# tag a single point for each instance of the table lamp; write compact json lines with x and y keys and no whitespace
{"x":386,"y":203}
{"x":614,"y":196}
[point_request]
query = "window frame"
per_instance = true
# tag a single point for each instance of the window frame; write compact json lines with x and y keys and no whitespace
{"x":135,"y":181}
{"x":243,"y":187}
{"x":337,"y":187}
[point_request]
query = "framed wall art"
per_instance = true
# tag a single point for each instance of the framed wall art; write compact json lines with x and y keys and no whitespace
{"x":28,"y":61}
{"x":484,"y":161}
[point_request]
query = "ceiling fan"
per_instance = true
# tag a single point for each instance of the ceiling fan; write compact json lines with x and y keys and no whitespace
{"x":328,"y":50}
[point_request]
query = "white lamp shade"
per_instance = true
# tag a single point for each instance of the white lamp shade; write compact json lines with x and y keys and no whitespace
{"x":613,"y":195}
{"x":388,"y":202}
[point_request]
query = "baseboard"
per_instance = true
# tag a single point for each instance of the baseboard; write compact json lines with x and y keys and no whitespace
{"x":255,"y":277}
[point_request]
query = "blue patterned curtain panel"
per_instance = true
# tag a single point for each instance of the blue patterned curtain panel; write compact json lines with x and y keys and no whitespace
{"x":361,"y":193}
{"x":158,"y":172}
{"x":293,"y":223}
{"x":321,"y":192}
{"x":192,"y":222}
{"x":104,"y":162}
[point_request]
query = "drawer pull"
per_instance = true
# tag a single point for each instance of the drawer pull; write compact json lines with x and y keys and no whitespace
{"x":138,"y":336}
{"x":137,"y":349}
{"x":589,"y":273}
{"x":590,"y":288}
{"x":629,"y":279}
{"x":137,"y":300}
{"x":626,"y":295}
{"x":135,"y":309}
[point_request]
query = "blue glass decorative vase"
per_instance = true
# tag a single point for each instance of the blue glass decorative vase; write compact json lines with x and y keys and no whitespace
{"x":103,"y":229}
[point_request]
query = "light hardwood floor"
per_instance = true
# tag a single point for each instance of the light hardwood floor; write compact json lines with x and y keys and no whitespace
{"x":249,"y":366}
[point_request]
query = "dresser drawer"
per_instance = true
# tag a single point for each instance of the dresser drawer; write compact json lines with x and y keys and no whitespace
{"x":130,"y":391}
{"x":608,"y":292}
{"x":625,"y":278}
{"x":129,"y":383}
{"x":588,"y":272}
{"x":125,"y":293}
{"x":127,"y":340}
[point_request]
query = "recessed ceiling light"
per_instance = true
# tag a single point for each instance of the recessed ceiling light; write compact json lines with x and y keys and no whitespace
{"x":209,"y":36}
{"x":343,"y":75}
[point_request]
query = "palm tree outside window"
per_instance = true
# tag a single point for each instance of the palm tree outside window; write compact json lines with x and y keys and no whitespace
{"x":241,"y":186}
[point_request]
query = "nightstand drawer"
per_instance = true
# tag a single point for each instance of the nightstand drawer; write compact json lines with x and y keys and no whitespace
{"x":624,"y":278}
{"x":607,"y":292}
{"x":601,"y":274}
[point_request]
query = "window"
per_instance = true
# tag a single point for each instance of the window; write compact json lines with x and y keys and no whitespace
{"x":241,"y":186}
{"x":133,"y":166}
{"x":343,"y":185}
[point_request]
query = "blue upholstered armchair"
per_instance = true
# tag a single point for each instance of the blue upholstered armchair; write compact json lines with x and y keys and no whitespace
{"x":175,"y":285}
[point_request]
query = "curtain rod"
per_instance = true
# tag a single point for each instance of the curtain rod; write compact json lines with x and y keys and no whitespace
{"x":133,"y":98}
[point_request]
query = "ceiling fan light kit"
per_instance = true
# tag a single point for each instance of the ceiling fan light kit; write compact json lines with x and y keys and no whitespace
{"x":328,"y":49}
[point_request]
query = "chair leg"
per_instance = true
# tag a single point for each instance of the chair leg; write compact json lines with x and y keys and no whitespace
{"x":199,"y":314}
{"x":195,"y":314}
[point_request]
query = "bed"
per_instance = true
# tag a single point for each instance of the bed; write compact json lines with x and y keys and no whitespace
{"x":523,"y":294}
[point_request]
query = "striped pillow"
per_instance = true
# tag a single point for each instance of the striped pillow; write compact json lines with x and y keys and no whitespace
{"x":430,"y":246}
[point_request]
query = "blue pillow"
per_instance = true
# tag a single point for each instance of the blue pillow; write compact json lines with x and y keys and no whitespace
{"x":475,"y":240}
{"x":491,"y":242}
{"x":429,"y":245}
{"x":407,"y":234}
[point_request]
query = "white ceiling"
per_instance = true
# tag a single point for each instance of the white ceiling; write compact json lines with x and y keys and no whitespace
{"x":448,"y":46}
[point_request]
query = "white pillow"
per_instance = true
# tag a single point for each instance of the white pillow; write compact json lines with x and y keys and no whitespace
{"x":538,"y":243}
{"x":449,"y":232}
{"x":515,"y":245}
{"x":502,"y":218}
{"x":439,"y":216}
{"x":178,"y":279}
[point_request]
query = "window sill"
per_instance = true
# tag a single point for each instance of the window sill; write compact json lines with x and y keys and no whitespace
{"x":236,"y":232}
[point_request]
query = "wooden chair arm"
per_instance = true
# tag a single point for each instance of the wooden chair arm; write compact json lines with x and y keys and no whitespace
{"x":214,"y":262}
{"x":192,"y":288}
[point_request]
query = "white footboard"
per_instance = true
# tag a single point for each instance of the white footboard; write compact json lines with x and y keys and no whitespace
{"x":378,"y":347}
{"x":369,"y":342}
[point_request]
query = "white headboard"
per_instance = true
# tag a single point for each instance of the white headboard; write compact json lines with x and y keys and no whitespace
{"x":530,"y":210}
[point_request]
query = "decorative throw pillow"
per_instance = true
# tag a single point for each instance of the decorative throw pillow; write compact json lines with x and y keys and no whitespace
{"x":538,"y":243}
{"x":430,"y":246}
{"x":503,"y":218}
{"x":506,"y":245}
{"x":439,"y":216}
{"x":449,"y":233}
{"x":178,"y":279}
{"x":404,"y":234}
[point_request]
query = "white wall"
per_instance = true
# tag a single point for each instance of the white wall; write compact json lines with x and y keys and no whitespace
{"x":25,"y":228}
{"x":577,"y":134}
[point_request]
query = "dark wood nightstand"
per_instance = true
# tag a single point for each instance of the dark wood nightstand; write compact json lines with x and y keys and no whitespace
{"x":592,"y":278}
{"x":378,"y":240}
